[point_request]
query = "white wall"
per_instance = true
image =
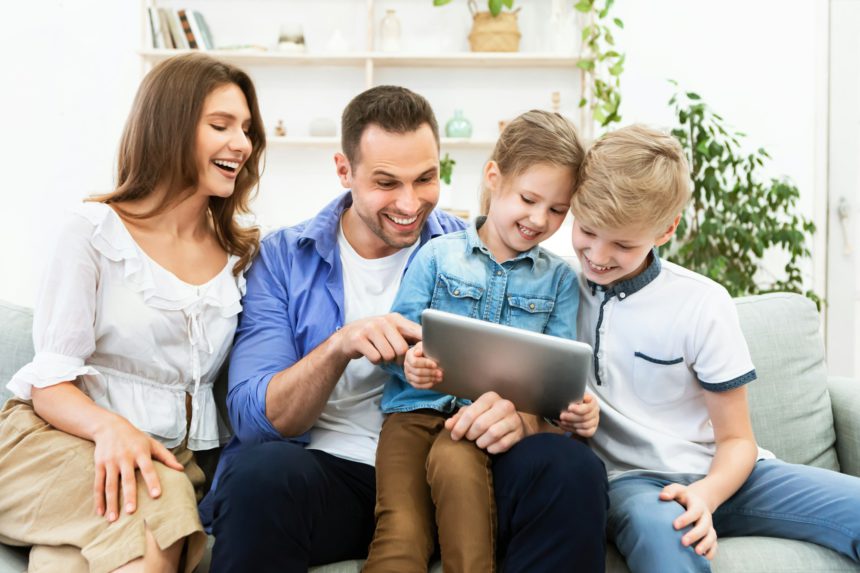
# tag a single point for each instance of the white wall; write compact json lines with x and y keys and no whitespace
{"x":753,"y":61}
{"x":70,"y":72}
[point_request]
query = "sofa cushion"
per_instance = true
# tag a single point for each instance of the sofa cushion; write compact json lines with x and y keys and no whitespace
{"x":789,"y":402}
{"x":16,"y":343}
{"x":761,"y":555}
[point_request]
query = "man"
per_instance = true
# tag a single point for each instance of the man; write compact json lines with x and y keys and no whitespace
{"x":304,"y":387}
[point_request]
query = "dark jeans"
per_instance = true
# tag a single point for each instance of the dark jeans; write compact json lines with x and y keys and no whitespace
{"x":282,"y":508}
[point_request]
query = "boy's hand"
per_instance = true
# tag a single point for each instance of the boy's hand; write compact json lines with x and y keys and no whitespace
{"x":703,"y":534}
{"x":581,"y":418}
{"x":421,"y":372}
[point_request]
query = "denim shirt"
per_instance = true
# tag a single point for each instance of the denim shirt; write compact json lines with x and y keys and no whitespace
{"x":536,"y":291}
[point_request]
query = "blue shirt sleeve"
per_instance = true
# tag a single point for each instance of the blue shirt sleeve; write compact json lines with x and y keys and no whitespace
{"x":416,"y":288}
{"x":264,"y":345}
{"x":562,"y":320}
{"x":414,"y":294}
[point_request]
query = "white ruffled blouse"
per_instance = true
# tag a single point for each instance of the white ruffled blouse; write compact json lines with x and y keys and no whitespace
{"x":134,"y":337}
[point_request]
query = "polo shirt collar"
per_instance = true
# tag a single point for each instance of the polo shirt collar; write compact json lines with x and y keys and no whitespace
{"x":473,"y":242}
{"x":627,"y":287}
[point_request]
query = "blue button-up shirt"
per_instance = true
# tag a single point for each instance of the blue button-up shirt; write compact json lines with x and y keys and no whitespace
{"x":293,"y":302}
{"x":536,"y":291}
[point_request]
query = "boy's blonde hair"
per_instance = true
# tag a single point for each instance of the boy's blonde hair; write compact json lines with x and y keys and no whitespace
{"x":535,"y":137}
{"x":633,"y":177}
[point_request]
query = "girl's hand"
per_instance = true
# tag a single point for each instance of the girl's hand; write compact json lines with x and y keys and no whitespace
{"x":120,"y":448}
{"x":581,"y":418}
{"x":421,"y":372}
{"x":703,"y":534}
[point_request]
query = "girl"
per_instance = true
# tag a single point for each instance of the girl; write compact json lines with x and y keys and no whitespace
{"x":135,"y":316}
{"x":495,"y":271}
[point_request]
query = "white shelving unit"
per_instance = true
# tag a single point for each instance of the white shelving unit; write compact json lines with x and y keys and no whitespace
{"x":297,"y":87}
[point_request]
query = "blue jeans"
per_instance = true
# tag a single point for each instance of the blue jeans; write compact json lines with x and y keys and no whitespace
{"x":778,"y":500}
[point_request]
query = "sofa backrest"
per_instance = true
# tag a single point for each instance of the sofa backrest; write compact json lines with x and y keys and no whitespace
{"x":16,"y":343}
{"x":790,"y":406}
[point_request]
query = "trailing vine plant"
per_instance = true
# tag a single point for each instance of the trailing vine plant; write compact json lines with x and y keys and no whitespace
{"x":735,"y":215}
{"x":600,"y":63}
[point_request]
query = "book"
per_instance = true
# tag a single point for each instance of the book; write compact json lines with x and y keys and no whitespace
{"x":154,"y":28}
{"x":195,"y":29}
{"x":179,"y":40}
{"x":205,"y":32}
{"x":166,"y":37}
{"x":186,"y":28}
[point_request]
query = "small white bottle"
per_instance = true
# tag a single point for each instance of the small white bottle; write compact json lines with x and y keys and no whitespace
{"x":389,"y":32}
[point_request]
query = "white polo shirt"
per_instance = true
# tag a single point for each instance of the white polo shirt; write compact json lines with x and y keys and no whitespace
{"x":661,"y":339}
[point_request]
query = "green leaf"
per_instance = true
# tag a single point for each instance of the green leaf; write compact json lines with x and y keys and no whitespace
{"x":586,"y":32}
{"x":441,"y":2}
{"x":583,"y":6}
{"x":617,"y":21}
{"x":693,"y":96}
{"x":495,"y":7}
{"x":509,"y":4}
{"x":585,"y":64}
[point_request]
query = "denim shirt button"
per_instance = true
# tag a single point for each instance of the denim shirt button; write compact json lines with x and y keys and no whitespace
{"x":622,"y":295}
{"x":498,"y":273}
{"x":531,"y":306}
{"x":457,"y":292}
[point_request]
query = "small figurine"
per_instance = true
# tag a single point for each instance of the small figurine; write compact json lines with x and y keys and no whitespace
{"x":280,"y":130}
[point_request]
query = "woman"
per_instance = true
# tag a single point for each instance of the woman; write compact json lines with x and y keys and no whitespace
{"x":134,"y":318}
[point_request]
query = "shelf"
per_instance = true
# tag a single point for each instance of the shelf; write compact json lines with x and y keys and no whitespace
{"x":381,"y":59}
{"x":315,"y":142}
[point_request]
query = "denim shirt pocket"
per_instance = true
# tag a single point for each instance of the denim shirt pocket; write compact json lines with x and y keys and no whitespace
{"x":452,"y":294}
{"x":530,"y":312}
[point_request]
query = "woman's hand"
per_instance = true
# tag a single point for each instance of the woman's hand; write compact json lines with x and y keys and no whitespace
{"x":421,"y":372}
{"x":702,"y":535}
{"x":120,"y":449}
{"x":581,"y":418}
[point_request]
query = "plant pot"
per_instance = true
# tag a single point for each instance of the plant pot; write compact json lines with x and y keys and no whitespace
{"x":495,"y":33}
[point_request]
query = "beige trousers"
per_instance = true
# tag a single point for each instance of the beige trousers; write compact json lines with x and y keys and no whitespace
{"x":46,"y":500}
{"x":424,"y":477}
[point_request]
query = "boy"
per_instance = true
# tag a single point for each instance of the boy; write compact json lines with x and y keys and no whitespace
{"x":670,"y":370}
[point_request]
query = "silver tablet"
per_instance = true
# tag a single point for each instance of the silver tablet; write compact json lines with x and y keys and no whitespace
{"x":540,"y":374}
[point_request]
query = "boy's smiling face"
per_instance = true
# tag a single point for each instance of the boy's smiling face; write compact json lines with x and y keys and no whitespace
{"x":608,"y":256}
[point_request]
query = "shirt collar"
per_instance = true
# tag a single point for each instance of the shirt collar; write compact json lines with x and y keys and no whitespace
{"x":473,"y":241}
{"x":322,"y":229}
{"x":627,"y":287}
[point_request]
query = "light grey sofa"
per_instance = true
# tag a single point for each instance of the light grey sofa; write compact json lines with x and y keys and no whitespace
{"x":798,"y":413}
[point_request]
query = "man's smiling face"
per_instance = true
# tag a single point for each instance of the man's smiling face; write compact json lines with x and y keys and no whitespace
{"x":395,"y":186}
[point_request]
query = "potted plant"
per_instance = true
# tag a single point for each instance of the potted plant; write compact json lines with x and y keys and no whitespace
{"x":736,"y":215}
{"x":494,"y":30}
{"x":446,"y":169}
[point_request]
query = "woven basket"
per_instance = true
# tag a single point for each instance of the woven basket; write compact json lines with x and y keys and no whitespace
{"x":495,"y":33}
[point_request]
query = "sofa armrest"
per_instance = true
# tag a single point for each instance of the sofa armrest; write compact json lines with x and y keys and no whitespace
{"x":845,"y":398}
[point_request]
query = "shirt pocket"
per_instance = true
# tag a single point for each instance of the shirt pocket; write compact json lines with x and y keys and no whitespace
{"x":659,"y":380}
{"x":457,"y":296}
{"x":530,"y":312}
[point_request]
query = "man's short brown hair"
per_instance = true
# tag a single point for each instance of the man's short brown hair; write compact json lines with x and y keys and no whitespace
{"x":393,"y":108}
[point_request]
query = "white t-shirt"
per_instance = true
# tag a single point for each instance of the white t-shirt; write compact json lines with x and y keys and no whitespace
{"x":133,"y":336}
{"x":661,"y":340}
{"x":350,"y":422}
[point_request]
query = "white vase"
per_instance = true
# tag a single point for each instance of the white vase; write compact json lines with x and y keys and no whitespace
{"x":389,"y":32}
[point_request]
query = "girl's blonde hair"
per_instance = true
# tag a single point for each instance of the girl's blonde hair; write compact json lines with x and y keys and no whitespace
{"x":535,"y":137}
{"x":633,"y":177}
{"x":158,"y":147}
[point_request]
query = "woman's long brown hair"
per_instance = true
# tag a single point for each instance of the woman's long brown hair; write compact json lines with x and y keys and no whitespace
{"x":158,"y":147}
